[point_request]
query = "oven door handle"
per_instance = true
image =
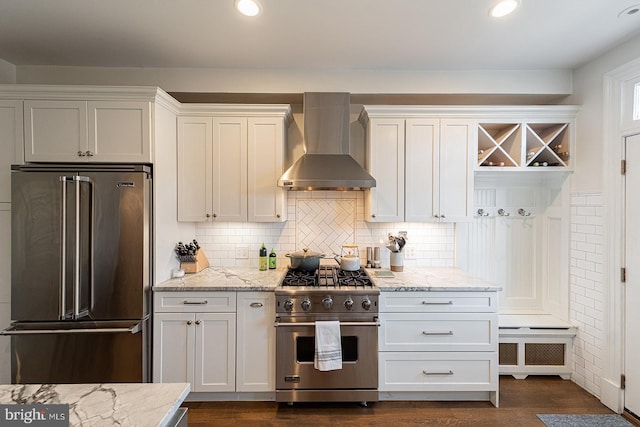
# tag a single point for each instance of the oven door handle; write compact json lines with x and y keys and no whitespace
{"x":277,"y":323}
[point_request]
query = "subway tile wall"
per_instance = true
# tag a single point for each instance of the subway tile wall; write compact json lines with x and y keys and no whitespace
{"x":587,"y":288}
{"x":323,"y":221}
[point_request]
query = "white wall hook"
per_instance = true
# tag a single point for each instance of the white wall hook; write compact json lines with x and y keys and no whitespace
{"x":502,"y":212}
{"x":522,"y":212}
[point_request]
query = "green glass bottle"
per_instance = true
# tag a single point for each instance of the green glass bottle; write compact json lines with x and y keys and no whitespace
{"x":263,"y":258}
{"x":272,"y":260}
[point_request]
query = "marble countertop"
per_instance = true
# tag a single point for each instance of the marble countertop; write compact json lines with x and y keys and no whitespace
{"x":134,"y":404}
{"x":430,"y":279}
{"x":225,"y":279}
{"x":251,"y":279}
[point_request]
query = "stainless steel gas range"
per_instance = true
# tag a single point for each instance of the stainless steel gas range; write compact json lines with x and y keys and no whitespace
{"x":329,"y":293}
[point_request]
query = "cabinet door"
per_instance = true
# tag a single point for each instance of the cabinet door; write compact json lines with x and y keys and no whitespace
{"x":230,"y":169}
{"x":55,"y":131}
{"x":119,"y":131}
{"x":267,"y":201}
{"x":385,"y":162}
{"x":422,"y":150}
{"x":455,"y":170}
{"x":215,"y":358}
{"x":173,"y":347}
{"x":256,"y":342}
{"x":11,"y":144}
{"x":194,"y":168}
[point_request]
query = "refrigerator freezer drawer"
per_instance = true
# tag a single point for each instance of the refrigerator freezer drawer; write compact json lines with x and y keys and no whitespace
{"x":95,"y":352}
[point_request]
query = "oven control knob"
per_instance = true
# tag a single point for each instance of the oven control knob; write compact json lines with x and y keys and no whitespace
{"x":366,"y":303}
{"x":348,"y":304}
{"x":288,"y":305}
{"x":327,"y":302}
{"x":306,"y":304}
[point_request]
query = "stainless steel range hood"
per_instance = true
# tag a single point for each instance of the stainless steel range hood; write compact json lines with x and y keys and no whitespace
{"x":326,"y":164}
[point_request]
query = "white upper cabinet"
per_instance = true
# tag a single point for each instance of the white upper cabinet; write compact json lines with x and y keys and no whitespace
{"x":195,"y":183}
{"x":229,"y":165}
{"x":422,"y":149}
{"x":421,"y":165}
{"x":385,"y":162}
{"x":87,"y":131}
{"x":455,"y":189}
{"x":229,"y":169}
{"x":267,"y":201}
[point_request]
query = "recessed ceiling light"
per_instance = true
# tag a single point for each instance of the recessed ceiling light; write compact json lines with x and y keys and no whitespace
{"x":248,"y":7}
{"x":503,"y":8}
{"x":631,"y":10}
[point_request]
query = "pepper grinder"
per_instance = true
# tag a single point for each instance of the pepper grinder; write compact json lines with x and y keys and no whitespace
{"x":369,"y":257}
{"x":376,"y":257}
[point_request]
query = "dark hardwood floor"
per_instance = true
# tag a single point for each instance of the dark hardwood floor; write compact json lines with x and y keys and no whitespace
{"x":520,"y":401}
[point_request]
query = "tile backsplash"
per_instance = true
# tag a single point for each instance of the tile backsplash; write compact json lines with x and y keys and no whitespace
{"x":322,"y":221}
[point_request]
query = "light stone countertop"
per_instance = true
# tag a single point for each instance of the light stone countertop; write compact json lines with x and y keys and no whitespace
{"x":431,"y":279}
{"x":131,"y":404}
{"x":225,"y":279}
{"x":251,"y":279}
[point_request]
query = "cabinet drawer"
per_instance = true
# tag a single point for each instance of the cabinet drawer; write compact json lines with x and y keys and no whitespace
{"x":438,"y":302}
{"x":201,"y":302}
{"x":438,"y":332}
{"x":440,"y":371}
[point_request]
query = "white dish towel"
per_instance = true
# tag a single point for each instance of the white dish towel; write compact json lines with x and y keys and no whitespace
{"x":328,"y":355}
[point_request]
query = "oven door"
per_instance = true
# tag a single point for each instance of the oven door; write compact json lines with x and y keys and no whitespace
{"x":295,"y":348}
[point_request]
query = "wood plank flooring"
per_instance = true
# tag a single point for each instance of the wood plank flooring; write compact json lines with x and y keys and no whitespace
{"x":520,"y":401}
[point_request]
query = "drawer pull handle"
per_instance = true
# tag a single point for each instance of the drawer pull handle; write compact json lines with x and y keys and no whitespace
{"x":437,"y":373}
{"x":438,"y":303}
{"x":256,"y":304}
{"x":437,"y":333}
{"x":195,"y":302}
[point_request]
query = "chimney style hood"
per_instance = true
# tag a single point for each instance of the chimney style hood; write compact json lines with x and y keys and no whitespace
{"x":326,"y":164}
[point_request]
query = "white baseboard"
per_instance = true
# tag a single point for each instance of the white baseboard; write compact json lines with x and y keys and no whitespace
{"x":611,"y":395}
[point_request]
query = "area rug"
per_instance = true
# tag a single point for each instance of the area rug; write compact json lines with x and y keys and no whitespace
{"x":561,"y":420}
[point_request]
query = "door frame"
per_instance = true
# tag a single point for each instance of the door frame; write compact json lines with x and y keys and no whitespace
{"x":616,"y":127}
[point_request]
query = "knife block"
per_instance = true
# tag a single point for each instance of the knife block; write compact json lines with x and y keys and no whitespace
{"x":201,"y":262}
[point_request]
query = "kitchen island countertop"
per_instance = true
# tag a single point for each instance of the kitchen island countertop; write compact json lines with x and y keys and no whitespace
{"x":252,"y":279}
{"x":132,"y":404}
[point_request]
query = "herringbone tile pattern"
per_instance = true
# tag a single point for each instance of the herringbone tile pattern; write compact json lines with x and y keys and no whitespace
{"x":324,"y":225}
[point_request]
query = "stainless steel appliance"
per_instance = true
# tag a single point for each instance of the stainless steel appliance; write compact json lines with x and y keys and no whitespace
{"x":326,"y":294}
{"x":80,"y":273}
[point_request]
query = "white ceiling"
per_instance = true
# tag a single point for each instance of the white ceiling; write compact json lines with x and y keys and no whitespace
{"x":312,"y":34}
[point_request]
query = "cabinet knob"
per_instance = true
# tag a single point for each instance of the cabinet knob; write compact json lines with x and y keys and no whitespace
{"x":442,"y":216}
{"x":436,"y":216}
{"x":81,"y":154}
{"x":89,"y":153}
{"x":215,"y":215}
{"x":189,"y":322}
{"x":198,"y":321}
{"x":373,"y":215}
{"x":256,"y":304}
{"x":277,"y":215}
{"x":208,"y":215}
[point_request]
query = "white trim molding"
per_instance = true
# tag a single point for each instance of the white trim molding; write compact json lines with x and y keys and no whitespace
{"x":614,"y":132}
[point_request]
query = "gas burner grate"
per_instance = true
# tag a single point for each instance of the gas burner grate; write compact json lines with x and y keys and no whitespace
{"x":299,"y":278}
{"x":328,"y":277}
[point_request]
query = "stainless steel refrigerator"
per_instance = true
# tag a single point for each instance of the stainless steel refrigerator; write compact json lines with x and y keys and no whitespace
{"x":80,"y":273}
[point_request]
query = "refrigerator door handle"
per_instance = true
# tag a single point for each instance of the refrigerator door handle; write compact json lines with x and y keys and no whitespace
{"x":63,"y":251}
{"x":14,"y":330}
{"x":77,"y":313}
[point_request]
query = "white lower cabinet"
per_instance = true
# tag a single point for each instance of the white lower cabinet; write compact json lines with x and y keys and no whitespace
{"x":438,"y":342}
{"x":217,"y":341}
{"x":256,"y":339}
